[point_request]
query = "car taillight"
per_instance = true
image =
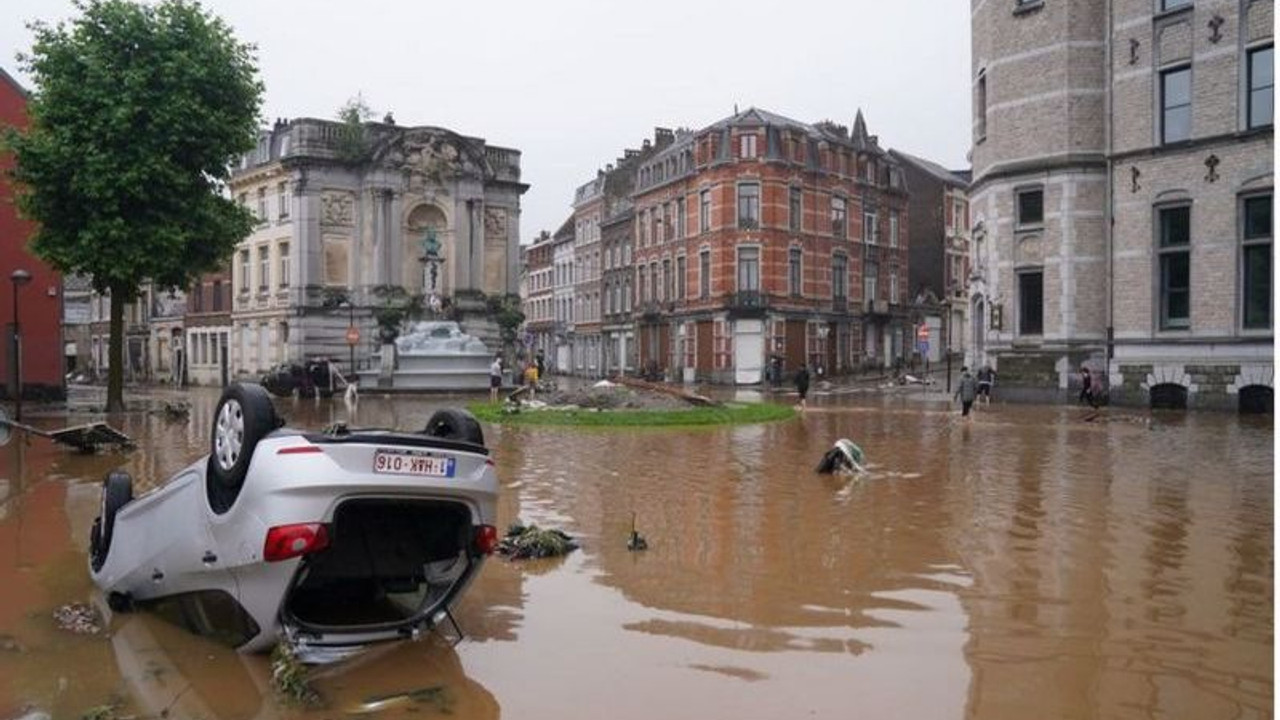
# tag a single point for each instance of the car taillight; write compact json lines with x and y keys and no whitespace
{"x":486,"y":539}
{"x":287,"y":541}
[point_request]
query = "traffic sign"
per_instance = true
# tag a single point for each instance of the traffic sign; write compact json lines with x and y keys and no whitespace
{"x":922,"y":332}
{"x":924,"y":347}
{"x":353,"y":335}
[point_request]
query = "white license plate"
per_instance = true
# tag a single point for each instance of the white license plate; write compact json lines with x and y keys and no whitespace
{"x":407,"y":462}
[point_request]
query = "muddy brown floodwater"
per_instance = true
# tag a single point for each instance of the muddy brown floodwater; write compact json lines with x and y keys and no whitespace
{"x":1026,"y":564}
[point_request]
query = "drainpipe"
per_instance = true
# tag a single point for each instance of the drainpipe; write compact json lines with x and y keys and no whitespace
{"x":1108,"y":225}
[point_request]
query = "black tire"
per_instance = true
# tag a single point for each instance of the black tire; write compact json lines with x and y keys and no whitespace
{"x":244,"y":416}
{"x":117,"y":491}
{"x":455,"y":424}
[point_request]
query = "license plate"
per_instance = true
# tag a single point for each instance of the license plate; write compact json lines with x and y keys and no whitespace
{"x":406,"y":462}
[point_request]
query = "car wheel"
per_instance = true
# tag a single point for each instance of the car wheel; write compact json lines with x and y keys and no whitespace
{"x":243,"y":417}
{"x":455,"y":424}
{"x":117,"y":491}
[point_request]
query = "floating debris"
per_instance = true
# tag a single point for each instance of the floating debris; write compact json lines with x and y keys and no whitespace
{"x":636,"y":541}
{"x":78,"y":618}
{"x":534,"y":542}
{"x":437,"y":696}
{"x":290,"y":679}
{"x":109,"y":711}
{"x":180,"y":410}
{"x":844,"y":456}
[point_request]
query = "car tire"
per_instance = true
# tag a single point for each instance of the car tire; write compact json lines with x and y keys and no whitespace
{"x":455,"y":424}
{"x":244,"y":416}
{"x":117,"y":491}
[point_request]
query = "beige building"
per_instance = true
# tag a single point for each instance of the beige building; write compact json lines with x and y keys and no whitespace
{"x":1121,"y":198}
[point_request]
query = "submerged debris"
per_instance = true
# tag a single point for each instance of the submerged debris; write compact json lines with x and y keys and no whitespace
{"x":534,"y":542}
{"x":636,"y":541}
{"x":180,"y":410}
{"x":109,"y":711}
{"x":78,"y":618}
{"x":437,"y":696}
{"x":290,"y":679}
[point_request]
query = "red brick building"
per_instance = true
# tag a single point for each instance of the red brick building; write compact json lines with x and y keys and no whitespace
{"x":40,"y":300}
{"x":760,"y":236}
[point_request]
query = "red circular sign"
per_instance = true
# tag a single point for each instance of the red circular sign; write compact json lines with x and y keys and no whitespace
{"x":923,"y":332}
{"x":353,"y":335}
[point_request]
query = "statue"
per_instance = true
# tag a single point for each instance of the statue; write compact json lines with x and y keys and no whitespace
{"x":430,"y":245}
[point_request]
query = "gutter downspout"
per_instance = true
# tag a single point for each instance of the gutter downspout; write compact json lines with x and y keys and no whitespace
{"x":1108,"y":226}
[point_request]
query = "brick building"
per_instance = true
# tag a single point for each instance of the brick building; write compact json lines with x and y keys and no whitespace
{"x":39,"y":300}
{"x":761,"y":236}
{"x":1122,"y":197}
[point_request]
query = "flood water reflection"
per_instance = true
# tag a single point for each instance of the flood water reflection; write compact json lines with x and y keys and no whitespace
{"x":1024,"y":564}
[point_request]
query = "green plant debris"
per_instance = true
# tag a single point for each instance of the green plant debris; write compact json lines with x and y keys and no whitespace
{"x":532,"y":541}
{"x":289,"y":678}
{"x":728,"y":414}
{"x":107,"y":711}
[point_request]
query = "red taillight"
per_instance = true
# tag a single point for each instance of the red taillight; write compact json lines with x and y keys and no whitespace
{"x":486,"y":539}
{"x":299,"y":449}
{"x":287,"y":541}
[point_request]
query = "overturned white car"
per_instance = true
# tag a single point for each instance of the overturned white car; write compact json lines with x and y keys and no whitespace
{"x":330,"y":540}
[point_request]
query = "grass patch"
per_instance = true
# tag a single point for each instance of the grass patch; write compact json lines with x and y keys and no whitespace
{"x":728,"y":414}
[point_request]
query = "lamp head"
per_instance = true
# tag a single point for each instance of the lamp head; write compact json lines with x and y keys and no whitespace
{"x":20,"y":277}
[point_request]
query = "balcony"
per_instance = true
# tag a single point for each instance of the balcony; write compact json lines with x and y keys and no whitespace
{"x":651,"y":309}
{"x":876,"y":307}
{"x":746,"y":304}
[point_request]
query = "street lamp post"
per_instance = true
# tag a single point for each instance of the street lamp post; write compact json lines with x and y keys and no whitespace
{"x":19,"y":278}
{"x":351,"y":333}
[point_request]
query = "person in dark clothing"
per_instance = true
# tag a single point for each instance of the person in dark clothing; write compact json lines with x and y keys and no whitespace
{"x":541,"y":360}
{"x":986,"y":378}
{"x":1088,"y":393}
{"x":802,"y":385}
{"x":967,"y":391}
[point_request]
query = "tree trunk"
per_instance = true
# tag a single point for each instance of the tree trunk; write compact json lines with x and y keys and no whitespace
{"x":115,"y":354}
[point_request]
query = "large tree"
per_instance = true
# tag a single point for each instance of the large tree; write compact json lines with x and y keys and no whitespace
{"x":137,"y":116}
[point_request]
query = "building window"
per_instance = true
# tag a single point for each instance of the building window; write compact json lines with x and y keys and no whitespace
{"x":839,"y":217}
{"x":980,"y":104}
{"x":667,"y":293}
{"x":197,"y":298}
{"x":704,"y":274}
{"x":681,"y":277}
{"x":217,"y":295}
{"x":284,"y":264}
{"x":1257,"y":262}
{"x":704,"y":211}
{"x":1173,"y":4}
{"x":748,"y":146}
{"x":1030,"y":208}
{"x":748,"y":206}
{"x":680,"y":230}
{"x":282,"y":199}
{"x":262,"y":204}
{"x":244,"y":271}
{"x":870,"y":274}
{"x":668,"y":227}
{"x":893,"y":228}
{"x":1261,"y":86}
{"x":839,"y":277}
{"x":893,"y":285}
{"x":1175,"y":105}
{"x":794,"y":276}
{"x":870,"y":232}
{"x":748,"y":269}
{"x":264,"y":268}
{"x":1175,"y":268}
{"x":1031,"y":303}
{"x":795,"y":208}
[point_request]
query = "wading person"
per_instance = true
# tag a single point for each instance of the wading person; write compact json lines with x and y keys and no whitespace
{"x":531,"y":378}
{"x":967,"y":391}
{"x":986,"y":378}
{"x":495,"y":378}
{"x":1087,"y":390}
{"x":802,"y":385}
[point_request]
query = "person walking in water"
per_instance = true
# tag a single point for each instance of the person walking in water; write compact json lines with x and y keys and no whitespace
{"x":1087,"y":390}
{"x":967,"y":391}
{"x":802,"y":385}
{"x":986,"y":378}
{"x":495,"y":378}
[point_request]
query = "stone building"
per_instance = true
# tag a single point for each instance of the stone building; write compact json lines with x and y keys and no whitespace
{"x":1122,"y":196}
{"x":761,"y":236}
{"x":588,"y":205}
{"x":563,"y":297}
{"x":539,"y":323}
{"x":343,"y":212}
{"x":208,"y":329}
{"x":939,"y":250}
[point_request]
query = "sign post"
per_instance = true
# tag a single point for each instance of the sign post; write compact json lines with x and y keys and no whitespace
{"x":353,"y":339}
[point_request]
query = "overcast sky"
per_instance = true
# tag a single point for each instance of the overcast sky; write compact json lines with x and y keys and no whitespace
{"x":570,"y":83}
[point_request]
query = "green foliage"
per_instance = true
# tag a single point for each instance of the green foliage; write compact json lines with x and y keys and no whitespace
{"x":290,"y":679}
{"x":507,"y":313}
{"x":397,"y":307}
{"x":728,"y":414}
{"x":522,"y":542}
{"x":352,"y":143}
{"x":137,"y":116}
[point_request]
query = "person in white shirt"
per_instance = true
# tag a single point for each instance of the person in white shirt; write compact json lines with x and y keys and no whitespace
{"x":495,"y":378}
